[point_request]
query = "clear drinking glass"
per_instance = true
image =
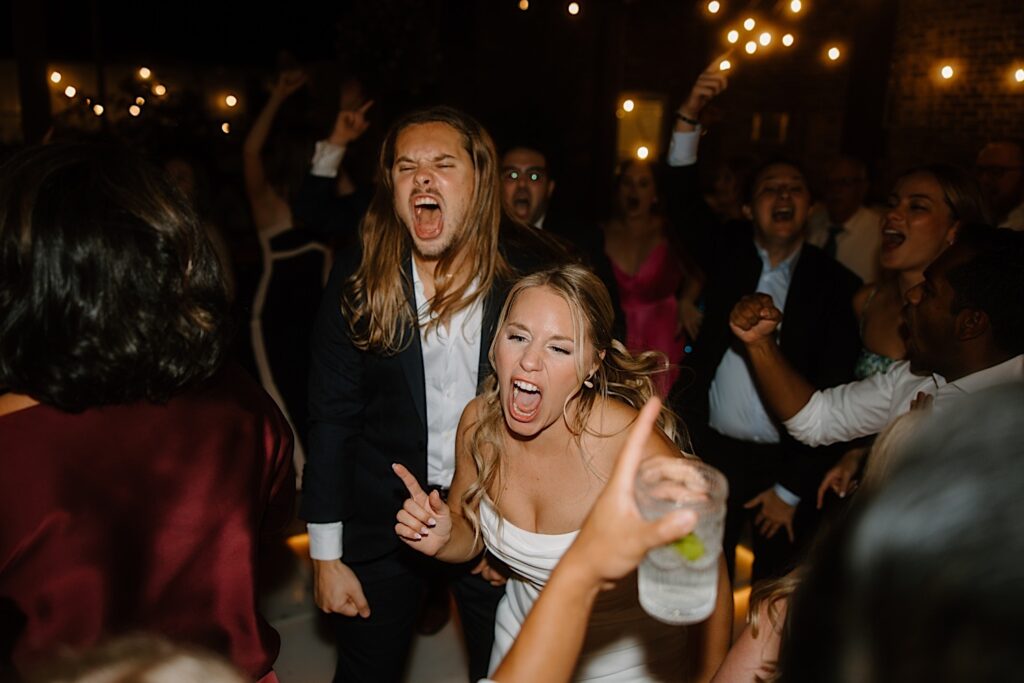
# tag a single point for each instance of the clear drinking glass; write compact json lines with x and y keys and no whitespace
{"x":678,"y":582}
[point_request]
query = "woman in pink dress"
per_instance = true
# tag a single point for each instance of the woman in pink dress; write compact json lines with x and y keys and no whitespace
{"x":658,"y":283}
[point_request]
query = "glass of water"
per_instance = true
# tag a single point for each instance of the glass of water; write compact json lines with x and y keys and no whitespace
{"x":678,"y":582}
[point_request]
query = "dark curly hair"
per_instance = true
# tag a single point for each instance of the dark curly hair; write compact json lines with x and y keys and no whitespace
{"x":110,"y":290}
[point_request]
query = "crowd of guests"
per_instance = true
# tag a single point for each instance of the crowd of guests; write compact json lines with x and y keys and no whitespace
{"x":463,"y":392}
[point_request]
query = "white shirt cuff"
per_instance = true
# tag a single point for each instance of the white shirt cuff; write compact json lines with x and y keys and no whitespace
{"x":784,"y":494}
{"x":682,"y":150}
{"x":325,"y":540}
{"x":326,"y":159}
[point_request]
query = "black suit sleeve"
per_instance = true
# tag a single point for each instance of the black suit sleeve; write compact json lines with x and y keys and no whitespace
{"x":336,"y":386}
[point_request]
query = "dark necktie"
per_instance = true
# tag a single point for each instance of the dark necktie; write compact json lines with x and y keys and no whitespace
{"x":830,"y":243}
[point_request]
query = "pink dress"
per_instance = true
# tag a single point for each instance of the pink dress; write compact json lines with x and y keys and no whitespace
{"x":649,"y":301}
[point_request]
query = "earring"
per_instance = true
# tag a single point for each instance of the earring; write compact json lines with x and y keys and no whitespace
{"x":588,"y":384}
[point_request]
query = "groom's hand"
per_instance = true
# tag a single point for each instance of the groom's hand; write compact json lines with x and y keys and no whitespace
{"x":336,"y":589}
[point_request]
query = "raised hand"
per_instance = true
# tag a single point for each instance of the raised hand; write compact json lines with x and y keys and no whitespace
{"x":711,"y":82}
{"x":425,"y":521}
{"x":773,"y":515}
{"x":288,"y":82}
{"x":349,"y":125}
{"x":337,"y":589}
{"x":754,"y":318}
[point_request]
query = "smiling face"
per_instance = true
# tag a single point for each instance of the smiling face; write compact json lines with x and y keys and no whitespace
{"x":637,"y":190}
{"x":536,"y":357}
{"x":433,"y":178}
{"x":928,"y":320}
{"x":918,"y":226}
{"x":779,"y":205}
{"x":525,"y":184}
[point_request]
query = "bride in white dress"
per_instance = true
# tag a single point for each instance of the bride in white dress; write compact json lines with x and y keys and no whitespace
{"x":533,"y":453}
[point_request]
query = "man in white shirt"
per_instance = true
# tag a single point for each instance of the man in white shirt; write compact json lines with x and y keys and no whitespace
{"x":964,"y":330}
{"x":843,"y":227}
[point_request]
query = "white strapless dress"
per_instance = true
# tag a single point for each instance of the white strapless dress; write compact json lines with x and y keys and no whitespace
{"x":622,"y":642}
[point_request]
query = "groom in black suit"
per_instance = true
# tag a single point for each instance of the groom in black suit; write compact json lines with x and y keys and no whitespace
{"x":400,"y":346}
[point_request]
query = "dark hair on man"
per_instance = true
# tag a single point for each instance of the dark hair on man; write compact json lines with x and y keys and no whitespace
{"x":754,"y":176}
{"x":992,"y":281}
{"x":110,"y":290}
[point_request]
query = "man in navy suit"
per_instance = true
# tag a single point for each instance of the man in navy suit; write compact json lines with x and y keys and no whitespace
{"x":772,"y":478}
{"x":399,"y":348}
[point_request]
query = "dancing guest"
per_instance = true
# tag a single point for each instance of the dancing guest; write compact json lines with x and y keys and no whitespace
{"x":658,"y":283}
{"x":534,"y":452}
{"x":399,"y":349}
{"x":1000,"y":170}
{"x":140,"y":477}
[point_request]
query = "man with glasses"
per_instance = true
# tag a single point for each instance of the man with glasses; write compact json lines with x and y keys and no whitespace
{"x":1000,"y":170}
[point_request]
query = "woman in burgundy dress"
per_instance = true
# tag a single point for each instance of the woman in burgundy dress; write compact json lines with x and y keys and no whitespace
{"x":658,"y":284}
{"x":139,"y":476}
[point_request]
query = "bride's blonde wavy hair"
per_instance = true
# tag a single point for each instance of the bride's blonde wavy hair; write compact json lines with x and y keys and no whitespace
{"x":617,"y":373}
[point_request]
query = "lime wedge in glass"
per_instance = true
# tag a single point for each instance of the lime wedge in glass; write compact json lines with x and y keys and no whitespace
{"x":690,"y":547}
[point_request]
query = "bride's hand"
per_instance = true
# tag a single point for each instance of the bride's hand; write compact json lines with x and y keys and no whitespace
{"x":425,"y":521}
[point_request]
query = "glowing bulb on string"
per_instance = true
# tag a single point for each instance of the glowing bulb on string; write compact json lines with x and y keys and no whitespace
{"x":714,"y":6}
{"x":144,"y":73}
{"x":795,"y":6}
{"x":724,"y":65}
{"x":1018,"y":75}
{"x":732,"y":36}
{"x":97,"y":109}
{"x":140,"y":100}
{"x":135,"y":110}
{"x":159,"y":90}
{"x":765,"y":39}
{"x":749,"y":23}
{"x":524,"y":5}
{"x":787,"y":40}
{"x":628,"y":105}
{"x":55,"y":77}
{"x":750,"y":47}
{"x":833,"y":53}
{"x":574,"y":8}
{"x":642,"y":152}
{"x":946,"y":72}
{"x":70,"y":91}
{"x":225,"y":128}
{"x":231,"y":100}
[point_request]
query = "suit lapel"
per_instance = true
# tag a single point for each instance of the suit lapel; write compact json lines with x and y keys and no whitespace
{"x":411,"y":357}
{"x":488,"y":327}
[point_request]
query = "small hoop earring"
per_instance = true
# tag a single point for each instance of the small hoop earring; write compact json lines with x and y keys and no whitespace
{"x":588,"y":384}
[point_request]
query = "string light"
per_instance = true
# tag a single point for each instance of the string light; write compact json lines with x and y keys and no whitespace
{"x":135,"y":110}
{"x":946,"y":72}
{"x":765,"y":39}
{"x":524,"y":5}
{"x":144,"y":73}
{"x":1018,"y":75}
{"x":628,"y":105}
{"x":749,"y":23}
{"x":833,"y":53}
{"x":140,"y":100}
{"x":55,"y":77}
{"x":750,"y":47}
{"x":733,"y":36}
{"x":787,"y":40}
{"x":714,"y":6}
{"x":70,"y":91}
{"x":231,"y":100}
{"x":795,"y":6}
{"x":159,"y":90}
{"x":97,"y":109}
{"x":225,"y":128}
{"x":574,"y":8}
{"x":724,"y":65}
{"x":642,"y":152}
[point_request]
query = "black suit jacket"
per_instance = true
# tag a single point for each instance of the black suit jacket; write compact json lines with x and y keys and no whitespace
{"x":368,"y":410}
{"x":818,"y":336}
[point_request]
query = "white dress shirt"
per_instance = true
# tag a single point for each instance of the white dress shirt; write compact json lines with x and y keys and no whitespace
{"x":863,"y":408}
{"x":451,"y":363}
